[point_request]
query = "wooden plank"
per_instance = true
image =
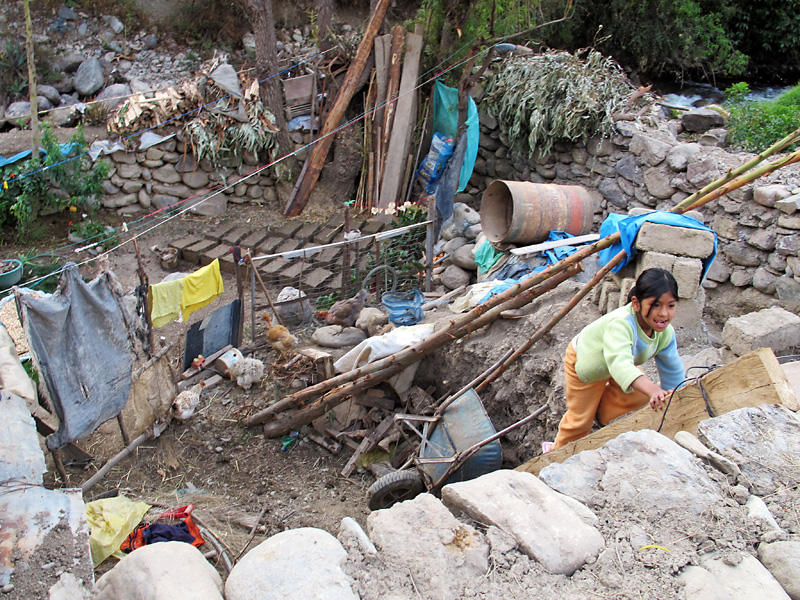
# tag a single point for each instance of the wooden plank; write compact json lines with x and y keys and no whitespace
{"x":752,"y":380}
{"x":209,"y":363}
{"x":580,"y":239}
{"x":368,"y":444}
{"x":403,"y":126}
{"x":382,"y":48}
{"x":390,"y":102}
{"x":320,"y":152}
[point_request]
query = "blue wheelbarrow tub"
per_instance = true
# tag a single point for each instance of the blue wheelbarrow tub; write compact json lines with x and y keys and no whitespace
{"x":463,"y":424}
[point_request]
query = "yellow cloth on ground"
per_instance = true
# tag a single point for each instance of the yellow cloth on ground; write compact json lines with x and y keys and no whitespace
{"x":164,"y":300}
{"x":110,"y":521}
{"x":201,"y":288}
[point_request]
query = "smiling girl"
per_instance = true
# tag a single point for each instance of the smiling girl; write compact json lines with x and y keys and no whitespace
{"x":602,"y":378}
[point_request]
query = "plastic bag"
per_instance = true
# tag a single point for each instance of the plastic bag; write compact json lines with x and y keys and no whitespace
{"x":111,"y":521}
{"x":433,"y":166}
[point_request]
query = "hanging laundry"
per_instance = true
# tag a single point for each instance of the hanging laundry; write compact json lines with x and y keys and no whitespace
{"x":201,"y":288}
{"x":81,"y":340}
{"x":164,"y":300}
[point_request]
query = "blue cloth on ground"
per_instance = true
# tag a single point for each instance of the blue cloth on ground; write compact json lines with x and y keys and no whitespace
{"x":628,"y":228}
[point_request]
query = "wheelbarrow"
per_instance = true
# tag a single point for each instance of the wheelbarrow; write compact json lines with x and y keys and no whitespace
{"x":404,"y":308}
{"x":457,"y":443}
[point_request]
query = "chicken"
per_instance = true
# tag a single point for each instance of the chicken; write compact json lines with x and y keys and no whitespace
{"x":186,"y":402}
{"x":346,"y":312}
{"x":280,"y":339}
{"x":247,"y":371}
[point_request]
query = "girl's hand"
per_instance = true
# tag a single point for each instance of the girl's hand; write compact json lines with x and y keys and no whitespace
{"x":657,"y":400}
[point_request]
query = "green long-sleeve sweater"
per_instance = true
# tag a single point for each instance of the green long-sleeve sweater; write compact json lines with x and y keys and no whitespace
{"x":614,"y":345}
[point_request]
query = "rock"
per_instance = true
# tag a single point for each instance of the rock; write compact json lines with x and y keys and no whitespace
{"x":716,"y":137}
{"x":696,"y":243}
{"x":67,"y":13}
{"x":769,"y":195}
{"x":68,"y":587}
{"x":464,"y":258}
{"x":114,"y":95}
{"x":773,"y":327}
{"x":212,"y":206}
{"x":454,"y":552}
{"x":746,"y":578}
{"x":165,"y":570}
{"x":352,"y":536}
{"x":652,"y":476}
{"x":71,"y":62}
{"x":464,"y":216}
{"x":17,"y":111}
{"x":681,"y":155}
{"x":114,"y":23}
{"x":782,"y":559}
{"x":789,"y":205}
{"x":90,"y":77}
{"x":150,"y":41}
{"x":545,"y":527}
{"x":336,"y":336}
{"x":49,"y":92}
{"x":699,"y":584}
{"x":454,"y":277}
{"x":700,"y":121}
{"x":166,"y":174}
{"x":658,"y":182}
{"x":195,"y":179}
{"x":298,"y":563}
{"x":454,"y":244}
{"x":372,"y":320}
{"x":757,"y":509}
{"x":787,"y":289}
{"x":755,"y":438}
{"x":651,"y":150}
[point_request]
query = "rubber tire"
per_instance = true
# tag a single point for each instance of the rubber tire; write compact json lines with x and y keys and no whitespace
{"x":394,"y":487}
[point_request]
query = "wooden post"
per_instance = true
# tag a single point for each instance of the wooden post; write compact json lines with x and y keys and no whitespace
{"x":430,"y":241}
{"x":240,"y":291}
{"x":145,"y":283}
{"x":317,"y":159}
{"x":395,"y":62}
{"x":32,"y":82}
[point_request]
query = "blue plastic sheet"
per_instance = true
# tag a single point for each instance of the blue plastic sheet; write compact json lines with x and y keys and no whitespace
{"x":628,"y":228}
{"x":65,"y":150}
{"x":445,"y":120}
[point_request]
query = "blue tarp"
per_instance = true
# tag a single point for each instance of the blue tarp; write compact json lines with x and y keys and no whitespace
{"x":628,"y":228}
{"x":65,"y":150}
{"x":445,"y":120}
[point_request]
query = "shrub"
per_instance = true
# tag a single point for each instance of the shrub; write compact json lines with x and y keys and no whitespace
{"x":754,"y":126}
{"x":29,"y":186}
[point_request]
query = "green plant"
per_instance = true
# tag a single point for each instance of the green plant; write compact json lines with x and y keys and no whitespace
{"x":28,"y":187}
{"x":555,"y":96}
{"x":36,"y":266}
{"x":404,"y":252}
{"x":94,"y":231}
{"x":754,"y":126}
{"x":328,"y":300}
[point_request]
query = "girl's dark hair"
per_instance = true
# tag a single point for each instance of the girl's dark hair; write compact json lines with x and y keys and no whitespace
{"x":653,"y":283}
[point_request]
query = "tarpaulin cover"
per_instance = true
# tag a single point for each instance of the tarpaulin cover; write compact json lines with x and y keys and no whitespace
{"x":80,"y":338}
{"x":628,"y":227}
{"x":445,"y":120}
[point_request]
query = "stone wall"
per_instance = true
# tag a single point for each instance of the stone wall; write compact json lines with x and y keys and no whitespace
{"x":167,"y":173}
{"x":637,"y":167}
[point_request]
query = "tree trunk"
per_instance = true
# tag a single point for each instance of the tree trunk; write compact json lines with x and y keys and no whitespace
{"x":263,"y":22}
{"x":324,"y":22}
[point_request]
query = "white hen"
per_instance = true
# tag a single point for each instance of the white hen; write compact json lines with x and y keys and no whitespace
{"x":186,"y":402}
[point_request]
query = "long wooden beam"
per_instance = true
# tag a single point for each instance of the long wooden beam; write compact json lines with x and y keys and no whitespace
{"x":752,"y":380}
{"x":320,"y":152}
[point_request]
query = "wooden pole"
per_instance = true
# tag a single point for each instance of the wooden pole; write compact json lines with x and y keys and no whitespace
{"x":32,"y":82}
{"x":430,"y":241}
{"x":264,"y":288}
{"x":366,"y":377}
{"x":317,"y":159}
{"x":237,"y":269}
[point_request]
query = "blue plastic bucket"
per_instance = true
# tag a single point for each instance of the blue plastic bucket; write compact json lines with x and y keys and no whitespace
{"x":404,"y":308}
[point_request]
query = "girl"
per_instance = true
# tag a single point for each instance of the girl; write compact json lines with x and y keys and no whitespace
{"x":600,"y":365}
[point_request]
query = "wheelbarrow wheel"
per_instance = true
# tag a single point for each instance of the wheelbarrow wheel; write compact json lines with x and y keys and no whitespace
{"x":394,"y":487}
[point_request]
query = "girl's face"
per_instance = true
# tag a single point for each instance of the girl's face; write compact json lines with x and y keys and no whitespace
{"x":654,"y":314}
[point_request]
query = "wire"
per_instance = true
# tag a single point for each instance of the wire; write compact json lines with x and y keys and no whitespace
{"x":697,"y":380}
{"x":125,"y":227}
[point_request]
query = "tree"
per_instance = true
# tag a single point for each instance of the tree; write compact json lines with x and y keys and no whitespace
{"x":263,"y":22}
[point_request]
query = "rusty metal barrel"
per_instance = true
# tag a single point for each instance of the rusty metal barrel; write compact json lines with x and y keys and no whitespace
{"x":521,"y":212}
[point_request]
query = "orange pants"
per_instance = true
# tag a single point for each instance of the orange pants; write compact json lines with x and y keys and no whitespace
{"x":603,"y":398}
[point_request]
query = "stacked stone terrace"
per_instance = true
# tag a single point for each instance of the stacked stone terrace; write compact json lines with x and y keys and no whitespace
{"x":317,"y":272}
